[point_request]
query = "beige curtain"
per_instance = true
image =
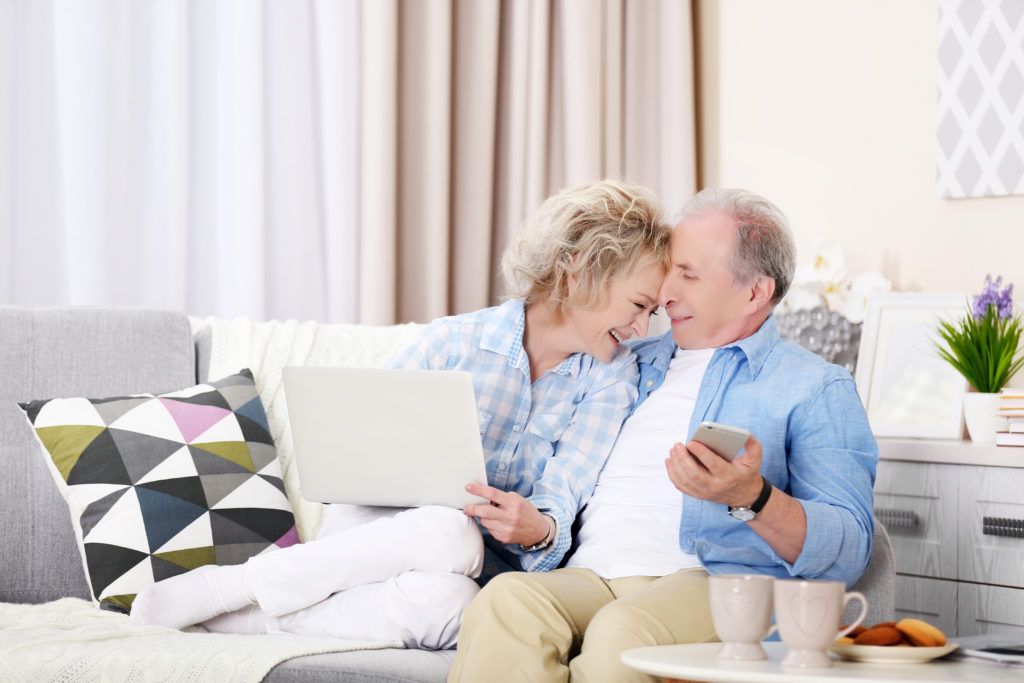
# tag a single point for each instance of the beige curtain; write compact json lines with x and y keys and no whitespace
{"x":473,"y":111}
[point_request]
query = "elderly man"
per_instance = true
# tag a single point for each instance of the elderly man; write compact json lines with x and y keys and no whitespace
{"x":797,"y":502}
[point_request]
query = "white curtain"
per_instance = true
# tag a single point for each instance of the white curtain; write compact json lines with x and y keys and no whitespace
{"x":190,"y":155}
{"x":332,"y":160}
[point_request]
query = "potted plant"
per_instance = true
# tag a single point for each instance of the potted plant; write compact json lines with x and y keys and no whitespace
{"x":982,"y":346}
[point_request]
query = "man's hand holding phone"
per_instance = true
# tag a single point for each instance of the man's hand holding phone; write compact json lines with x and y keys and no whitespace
{"x":724,"y":441}
{"x":709,"y":467}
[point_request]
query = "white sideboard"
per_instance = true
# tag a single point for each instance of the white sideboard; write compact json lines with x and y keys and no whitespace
{"x":955,"y":512}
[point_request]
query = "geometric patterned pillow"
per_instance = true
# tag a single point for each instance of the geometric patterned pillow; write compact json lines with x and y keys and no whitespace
{"x":159,"y":485}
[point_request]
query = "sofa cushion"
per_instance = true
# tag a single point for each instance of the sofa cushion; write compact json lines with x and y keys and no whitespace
{"x":68,"y":351}
{"x":366,"y":666}
{"x":160,"y":484}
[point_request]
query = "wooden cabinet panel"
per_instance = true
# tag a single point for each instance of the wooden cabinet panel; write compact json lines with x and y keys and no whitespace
{"x":917,"y":503}
{"x":990,"y":609}
{"x":955,"y":513}
{"x":991,"y":544}
{"x":932,"y":600}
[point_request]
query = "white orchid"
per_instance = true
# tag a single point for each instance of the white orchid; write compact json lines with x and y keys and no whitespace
{"x":855,"y":301}
{"x":826,"y":267}
{"x":824,"y":280}
{"x":801,"y":297}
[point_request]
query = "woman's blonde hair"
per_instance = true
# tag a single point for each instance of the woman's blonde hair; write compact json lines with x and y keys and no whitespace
{"x":594,"y":232}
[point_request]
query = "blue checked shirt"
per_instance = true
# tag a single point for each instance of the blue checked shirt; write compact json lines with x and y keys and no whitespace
{"x":818,"y":447}
{"x":547,"y":440}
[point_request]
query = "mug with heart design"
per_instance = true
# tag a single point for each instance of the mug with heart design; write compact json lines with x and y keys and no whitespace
{"x":741,"y":610}
{"x":807,"y":613}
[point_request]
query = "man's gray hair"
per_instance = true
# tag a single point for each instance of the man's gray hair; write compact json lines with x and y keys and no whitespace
{"x":764,"y":243}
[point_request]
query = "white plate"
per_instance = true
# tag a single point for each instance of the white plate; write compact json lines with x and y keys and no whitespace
{"x":891,"y":654}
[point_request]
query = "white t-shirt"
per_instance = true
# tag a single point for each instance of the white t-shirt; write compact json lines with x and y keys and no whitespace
{"x":630,"y":527}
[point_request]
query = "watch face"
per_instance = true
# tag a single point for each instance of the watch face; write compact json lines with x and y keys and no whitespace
{"x":742,"y":514}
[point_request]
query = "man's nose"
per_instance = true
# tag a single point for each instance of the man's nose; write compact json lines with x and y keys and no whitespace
{"x":666,"y":295}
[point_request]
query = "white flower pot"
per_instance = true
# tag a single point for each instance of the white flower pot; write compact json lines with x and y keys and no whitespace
{"x":981,"y":416}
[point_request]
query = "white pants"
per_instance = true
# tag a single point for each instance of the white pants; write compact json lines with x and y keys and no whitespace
{"x":374,"y":574}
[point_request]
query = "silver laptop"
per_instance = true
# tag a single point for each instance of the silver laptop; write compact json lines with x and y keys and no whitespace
{"x":375,"y":436}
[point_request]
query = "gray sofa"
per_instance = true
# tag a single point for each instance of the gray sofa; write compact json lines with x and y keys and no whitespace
{"x":48,"y":353}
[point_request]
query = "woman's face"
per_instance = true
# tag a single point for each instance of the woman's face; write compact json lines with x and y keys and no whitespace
{"x":623,"y":312}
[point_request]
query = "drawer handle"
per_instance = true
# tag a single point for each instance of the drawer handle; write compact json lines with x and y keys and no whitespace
{"x":897,"y":519}
{"x":1002,"y":526}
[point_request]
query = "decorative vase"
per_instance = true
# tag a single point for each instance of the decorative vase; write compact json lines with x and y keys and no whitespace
{"x":982,"y":418}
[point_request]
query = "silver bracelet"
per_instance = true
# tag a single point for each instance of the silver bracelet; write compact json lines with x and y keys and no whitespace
{"x":547,"y":539}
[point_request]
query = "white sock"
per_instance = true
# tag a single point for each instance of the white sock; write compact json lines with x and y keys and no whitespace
{"x":192,"y":597}
{"x":249,"y":619}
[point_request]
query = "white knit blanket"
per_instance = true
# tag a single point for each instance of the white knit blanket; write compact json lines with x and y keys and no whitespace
{"x":71,"y":641}
{"x":266,"y":347}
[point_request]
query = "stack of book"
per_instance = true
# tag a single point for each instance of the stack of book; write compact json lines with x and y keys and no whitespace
{"x":1011,"y":407}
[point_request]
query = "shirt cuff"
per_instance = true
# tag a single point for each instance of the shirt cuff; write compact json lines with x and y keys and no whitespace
{"x":822,"y":541}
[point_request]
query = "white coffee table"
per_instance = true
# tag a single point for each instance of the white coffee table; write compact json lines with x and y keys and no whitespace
{"x":699,"y":662}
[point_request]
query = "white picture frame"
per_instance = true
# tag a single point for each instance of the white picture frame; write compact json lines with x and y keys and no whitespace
{"x":908,"y":390}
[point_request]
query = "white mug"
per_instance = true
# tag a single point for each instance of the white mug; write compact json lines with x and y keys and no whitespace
{"x":741,"y":610}
{"x":808,"y":613}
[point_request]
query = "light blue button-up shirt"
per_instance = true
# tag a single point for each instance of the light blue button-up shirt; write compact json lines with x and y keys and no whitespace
{"x":545,"y":440}
{"x":818,"y":447}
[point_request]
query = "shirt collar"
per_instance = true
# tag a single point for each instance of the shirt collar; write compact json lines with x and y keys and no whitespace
{"x":757,"y":346}
{"x":503,"y":333}
{"x":659,"y":354}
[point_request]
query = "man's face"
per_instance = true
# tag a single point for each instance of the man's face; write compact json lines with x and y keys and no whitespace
{"x":705,"y":308}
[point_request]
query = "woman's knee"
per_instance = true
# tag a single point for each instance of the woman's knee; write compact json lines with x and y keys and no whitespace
{"x":444,"y":540}
{"x":457,"y":534}
{"x":430,"y":607}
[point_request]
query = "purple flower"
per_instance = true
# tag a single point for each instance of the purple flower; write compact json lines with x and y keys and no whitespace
{"x":991,"y":294}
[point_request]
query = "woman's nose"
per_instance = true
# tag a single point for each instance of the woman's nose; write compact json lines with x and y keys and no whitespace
{"x":641,"y":323}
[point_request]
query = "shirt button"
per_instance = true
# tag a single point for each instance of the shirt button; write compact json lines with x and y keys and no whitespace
{"x":650,"y":382}
{"x":515,"y":428}
{"x":501,"y":467}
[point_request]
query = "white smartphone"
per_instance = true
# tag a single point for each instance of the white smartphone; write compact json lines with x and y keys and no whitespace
{"x":724,"y":440}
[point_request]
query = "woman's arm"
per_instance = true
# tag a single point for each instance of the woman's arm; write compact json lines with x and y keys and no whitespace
{"x":570,"y":474}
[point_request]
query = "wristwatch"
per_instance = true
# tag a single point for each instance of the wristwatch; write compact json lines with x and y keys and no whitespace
{"x":548,"y":540}
{"x":745,"y":514}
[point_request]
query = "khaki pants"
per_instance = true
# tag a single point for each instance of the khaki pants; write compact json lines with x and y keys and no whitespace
{"x":570,"y":624}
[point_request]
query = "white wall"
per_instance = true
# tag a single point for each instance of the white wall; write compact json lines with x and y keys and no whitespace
{"x":828,"y":108}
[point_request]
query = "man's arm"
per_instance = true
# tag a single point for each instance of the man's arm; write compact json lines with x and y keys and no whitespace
{"x":696,"y":471}
{"x":827,"y":468}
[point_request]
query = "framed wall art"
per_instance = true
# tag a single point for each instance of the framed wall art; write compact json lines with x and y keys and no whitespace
{"x":908,"y":390}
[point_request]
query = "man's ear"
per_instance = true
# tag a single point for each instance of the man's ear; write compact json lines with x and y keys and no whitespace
{"x":762,"y":291}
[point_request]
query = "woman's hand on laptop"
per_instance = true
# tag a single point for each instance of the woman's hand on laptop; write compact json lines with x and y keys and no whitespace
{"x":510,"y":518}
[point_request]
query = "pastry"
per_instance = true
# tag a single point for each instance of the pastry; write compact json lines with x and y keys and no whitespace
{"x":857,"y":630}
{"x":879,"y":635}
{"x":921,"y":633}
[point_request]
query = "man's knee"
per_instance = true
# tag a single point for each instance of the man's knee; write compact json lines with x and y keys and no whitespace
{"x":505,"y":593}
{"x":618,"y":626}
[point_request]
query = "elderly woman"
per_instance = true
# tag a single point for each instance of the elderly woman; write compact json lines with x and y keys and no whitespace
{"x":553,"y":384}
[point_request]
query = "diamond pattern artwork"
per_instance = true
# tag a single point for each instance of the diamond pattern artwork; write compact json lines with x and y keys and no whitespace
{"x":980,"y":135}
{"x":159,"y":485}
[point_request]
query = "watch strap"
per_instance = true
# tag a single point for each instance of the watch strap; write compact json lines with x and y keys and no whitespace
{"x":762,"y":499}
